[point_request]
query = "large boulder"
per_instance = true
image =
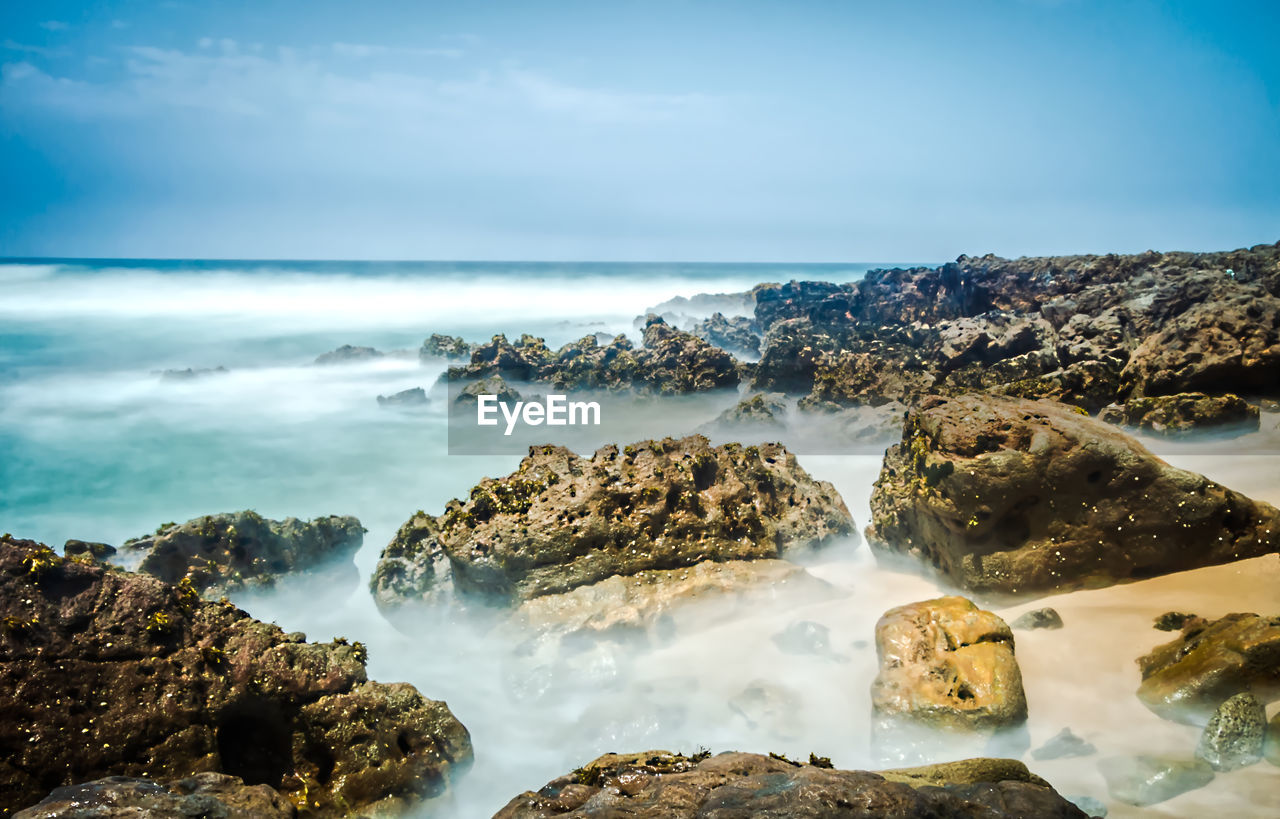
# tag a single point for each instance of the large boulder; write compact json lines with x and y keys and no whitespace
{"x":237,"y":550}
{"x":1233,"y":738}
{"x":948,"y":678}
{"x":1183,"y":413}
{"x":673,"y":786}
{"x":1009,"y":497}
{"x":561,"y":521}
{"x":1187,"y":678}
{"x":211,"y":795}
{"x":111,"y":673}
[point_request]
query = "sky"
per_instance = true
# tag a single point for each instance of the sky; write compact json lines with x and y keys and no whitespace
{"x":662,"y":130}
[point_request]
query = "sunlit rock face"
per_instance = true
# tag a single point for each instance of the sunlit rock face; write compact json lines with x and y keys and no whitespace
{"x":1009,"y":497}
{"x":1188,"y":678}
{"x":674,"y":786}
{"x":948,"y":680}
{"x":239,"y":550}
{"x":107,"y":672}
{"x":562,"y":521}
{"x":203,"y":795}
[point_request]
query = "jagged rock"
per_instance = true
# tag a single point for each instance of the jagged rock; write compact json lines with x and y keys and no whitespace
{"x":1188,"y":678}
{"x":414,"y":397}
{"x":1183,"y":413}
{"x":790,"y":355}
{"x":449,"y":348}
{"x":1039,"y":618}
{"x":561,"y":521}
{"x":675,"y":362}
{"x":346,"y":354}
{"x":236,"y":550}
{"x":1009,"y":497}
{"x":98,"y":551}
{"x":1149,"y":780}
{"x":1233,"y":738}
{"x":1063,"y":744}
{"x":735,"y":335}
{"x":203,"y":796}
{"x":111,"y":673}
{"x":590,"y":363}
{"x":673,"y":786}
{"x":189,"y":374}
{"x":947,"y":676}
{"x":1173,"y":620}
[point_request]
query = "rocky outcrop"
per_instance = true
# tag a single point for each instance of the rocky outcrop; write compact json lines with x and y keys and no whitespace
{"x":205,"y":795}
{"x":676,"y":362}
{"x":1210,"y":662}
{"x":948,"y":677}
{"x":110,"y":673}
{"x":736,"y":335}
{"x":1233,"y":738}
{"x":347,"y":354}
{"x":237,"y":550}
{"x":763,"y":412}
{"x":673,"y":786}
{"x":413,"y":397}
{"x":1010,"y":497}
{"x":98,"y":551}
{"x":1183,"y":413}
{"x":561,"y":521}
{"x":441,"y":347}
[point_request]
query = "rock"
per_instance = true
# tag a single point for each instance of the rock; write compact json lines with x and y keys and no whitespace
{"x":1149,"y":780}
{"x":98,"y":551}
{"x":1271,"y":745}
{"x":676,"y":362}
{"x":1009,"y":498}
{"x":413,"y":568}
{"x":1173,"y":620}
{"x":111,"y":673}
{"x":1233,"y":738}
{"x":674,"y":786}
{"x":790,"y":355}
{"x":414,"y":397}
{"x":1039,"y":618}
{"x":346,"y":354}
{"x":804,"y":637}
{"x":449,"y":348}
{"x":590,"y":363}
{"x":1093,"y":807}
{"x":190,"y":375}
{"x":1183,"y":413}
{"x":1232,"y":343}
{"x":762,"y":411}
{"x":237,"y":550}
{"x":210,"y":795}
{"x":771,"y":708}
{"x":947,"y":676}
{"x":1187,"y":679}
{"x":561,"y":521}
{"x":494,"y":385}
{"x":1063,"y":744}
{"x":734,"y":335}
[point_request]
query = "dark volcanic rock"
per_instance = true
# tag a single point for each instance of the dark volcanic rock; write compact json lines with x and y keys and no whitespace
{"x":414,"y":397}
{"x":346,"y":354}
{"x":671,"y":786}
{"x":1014,"y":497}
{"x":561,"y":521}
{"x":1173,"y":621}
{"x":1188,"y":678}
{"x":235,"y":550}
{"x":110,"y":673}
{"x":1184,"y":412}
{"x":203,"y":796}
{"x":1233,"y":738}
{"x":449,"y":348}
{"x":948,"y":678}
{"x":736,"y":334}
{"x":1039,"y":618}
{"x":98,"y":551}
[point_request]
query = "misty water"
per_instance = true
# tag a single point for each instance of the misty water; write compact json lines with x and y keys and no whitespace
{"x":95,"y":445}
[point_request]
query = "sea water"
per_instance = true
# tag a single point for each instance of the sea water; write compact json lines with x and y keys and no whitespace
{"x":95,"y":445}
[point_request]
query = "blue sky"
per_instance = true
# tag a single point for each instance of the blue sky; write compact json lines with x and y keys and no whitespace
{"x":657,"y":130}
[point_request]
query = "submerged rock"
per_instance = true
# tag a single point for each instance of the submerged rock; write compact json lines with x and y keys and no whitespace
{"x":948,"y":677}
{"x":111,"y":673}
{"x":238,"y":550}
{"x":804,"y":637}
{"x":414,"y":397}
{"x":561,"y":521}
{"x":347,"y":354}
{"x":203,"y":796}
{"x":190,"y":374}
{"x":1039,"y":618}
{"x":1063,"y":744}
{"x":673,"y":786}
{"x":771,"y":708}
{"x":1149,"y":780}
{"x":1187,"y":679}
{"x":1184,"y":413}
{"x":1233,"y":738}
{"x":1011,"y":497}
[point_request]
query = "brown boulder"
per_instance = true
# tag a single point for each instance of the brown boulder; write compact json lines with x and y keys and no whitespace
{"x":1183,"y":413}
{"x":212,"y":795}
